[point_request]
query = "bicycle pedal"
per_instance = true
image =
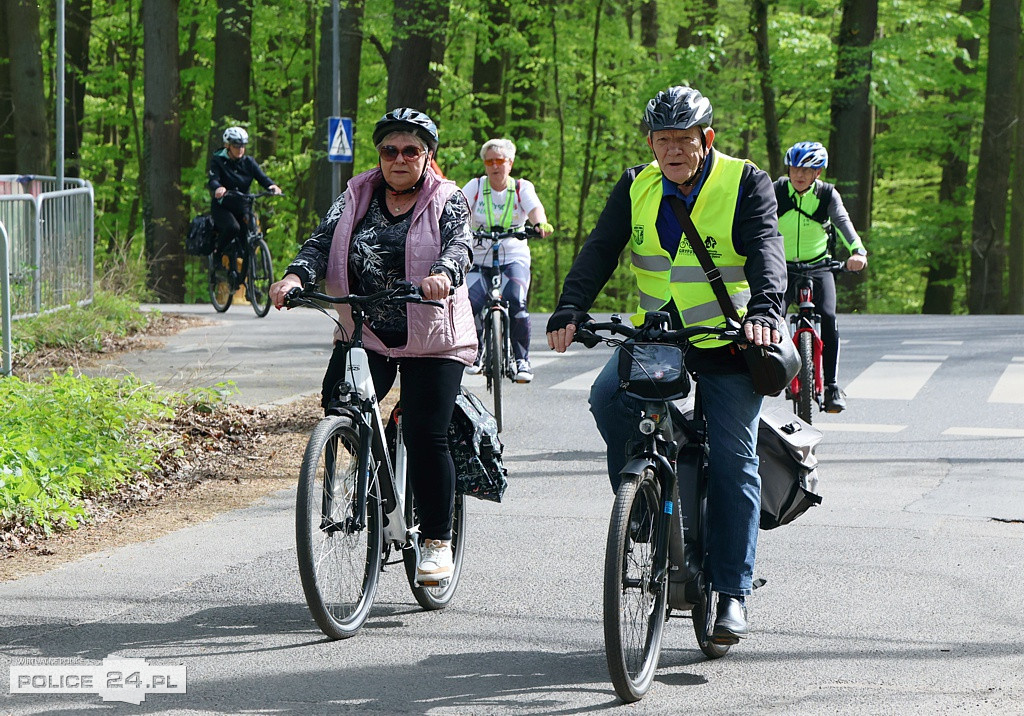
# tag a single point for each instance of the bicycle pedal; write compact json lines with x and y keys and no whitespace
{"x":434,"y":582}
{"x":724,"y":640}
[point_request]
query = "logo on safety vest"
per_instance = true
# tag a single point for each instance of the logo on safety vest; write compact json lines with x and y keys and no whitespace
{"x":638,"y":234}
{"x":710,"y":243}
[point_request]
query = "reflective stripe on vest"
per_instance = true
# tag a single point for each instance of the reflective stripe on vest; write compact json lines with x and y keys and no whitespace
{"x":659,"y":277}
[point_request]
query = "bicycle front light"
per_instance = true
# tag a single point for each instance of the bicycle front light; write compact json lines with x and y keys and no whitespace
{"x":648,"y":426}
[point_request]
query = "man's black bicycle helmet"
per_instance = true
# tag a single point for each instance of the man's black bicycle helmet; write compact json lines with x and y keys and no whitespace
{"x":405,"y":119}
{"x":678,"y":108}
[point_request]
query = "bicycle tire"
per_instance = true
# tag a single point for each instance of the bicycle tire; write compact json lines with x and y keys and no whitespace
{"x":634,"y":607}
{"x":339,"y":568}
{"x":261,"y":275}
{"x":807,"y":387}
{"x":701,"y":614}
{"x":434,"y":598}
{"x":219,"y":285}
{"x":498,"y":362}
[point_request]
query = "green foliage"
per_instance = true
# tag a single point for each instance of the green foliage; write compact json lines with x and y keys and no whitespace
{"x":72,"y":437}
{"x":81,"y":328}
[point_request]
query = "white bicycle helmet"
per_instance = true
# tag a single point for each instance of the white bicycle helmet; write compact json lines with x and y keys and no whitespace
{"x":236,"y":135}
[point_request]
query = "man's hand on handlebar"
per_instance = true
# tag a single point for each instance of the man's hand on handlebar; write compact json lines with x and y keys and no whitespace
{"x":282,"y":287}
{"x":856,"y":262}
{"x":761,"y":330}
{"x":562,"y":327}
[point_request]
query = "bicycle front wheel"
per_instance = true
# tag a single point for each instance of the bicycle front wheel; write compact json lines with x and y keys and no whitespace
{"x":339,"y":551}
{"x":496,"y":351}
{"x":634,"y":604}
{"x":220,"y":288}
{"x":803,"y":398}
{"x":261,"y":275}
{"x":434,"y":598}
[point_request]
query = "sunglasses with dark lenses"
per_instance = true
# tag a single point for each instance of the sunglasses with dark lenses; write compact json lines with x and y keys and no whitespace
{"x":390,"y":153}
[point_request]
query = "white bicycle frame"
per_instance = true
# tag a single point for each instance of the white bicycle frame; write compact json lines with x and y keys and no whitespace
{"x":395,"y":529}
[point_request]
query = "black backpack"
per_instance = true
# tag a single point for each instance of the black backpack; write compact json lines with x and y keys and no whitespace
{"x":202,"y":236}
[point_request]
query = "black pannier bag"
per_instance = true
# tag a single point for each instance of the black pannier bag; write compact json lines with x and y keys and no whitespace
{"x":788,"y":466}
{"x":474,"y":445}
{"x":202,"y":236}
{"x":653,"y":371}
{"x":476,"y":449}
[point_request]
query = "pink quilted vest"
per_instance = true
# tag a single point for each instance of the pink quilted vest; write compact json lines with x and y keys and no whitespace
{"x":434,"y":332}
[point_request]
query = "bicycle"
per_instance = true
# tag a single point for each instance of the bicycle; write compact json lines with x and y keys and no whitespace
{"x":354,"y":505}
{"x":805,"y":327}
{"x":497,"y":360}
{"x":655,"y":554}
{"x":233,"y":265}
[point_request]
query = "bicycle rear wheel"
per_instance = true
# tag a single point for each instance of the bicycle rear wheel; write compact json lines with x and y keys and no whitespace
{"x":803,"y":398}
{"x":339,"y":562}
{"x":261,"y":275}
{"x":496,"y":354}
{"x":219,"y":285}
{"x":634,"y":605}
{"x":434,"y":598}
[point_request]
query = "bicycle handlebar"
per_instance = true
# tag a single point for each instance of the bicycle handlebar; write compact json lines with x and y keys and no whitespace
{"x":243,"y":195}
{"x":496,"y":234}
{"x":405,"y":291}
{"x":587,"y":333}
{"x":833,"y":265}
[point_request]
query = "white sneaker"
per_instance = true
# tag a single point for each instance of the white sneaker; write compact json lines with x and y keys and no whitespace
{"x":435,"y":561}
{"x":524,"y":374}
{"x":475,"y":368}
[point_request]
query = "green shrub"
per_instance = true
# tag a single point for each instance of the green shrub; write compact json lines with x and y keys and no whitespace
{"x":70,"y":437}
{"x":80,"y":327}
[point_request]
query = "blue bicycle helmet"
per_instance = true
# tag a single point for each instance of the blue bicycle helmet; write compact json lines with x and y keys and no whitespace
{"x":807,"y":154}
{"x":405,"y":119}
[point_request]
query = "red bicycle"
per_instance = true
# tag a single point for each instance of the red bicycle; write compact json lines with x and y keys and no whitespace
{"x":805,"y":325}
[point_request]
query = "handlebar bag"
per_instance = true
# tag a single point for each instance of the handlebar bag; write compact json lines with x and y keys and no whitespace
{"x":787,"y":466}
{"x":653,"y":371}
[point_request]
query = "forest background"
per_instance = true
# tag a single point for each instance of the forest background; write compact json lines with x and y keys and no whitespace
{"x":916,"y":100}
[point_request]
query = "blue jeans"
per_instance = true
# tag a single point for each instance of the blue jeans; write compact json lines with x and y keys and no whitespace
{"x":732,"y":409}
{"x":514,"y":289}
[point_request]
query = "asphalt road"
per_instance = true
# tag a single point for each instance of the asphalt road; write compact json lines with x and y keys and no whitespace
{"x":900,"y":594}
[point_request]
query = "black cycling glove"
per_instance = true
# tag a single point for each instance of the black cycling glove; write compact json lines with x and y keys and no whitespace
{"x":766,"y":321}
{"x":564,"y":315}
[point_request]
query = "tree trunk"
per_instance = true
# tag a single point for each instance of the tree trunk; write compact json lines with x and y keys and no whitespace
{"x":988,"y":240}
{"x":490,"y":61}
{"x":1015,"y":302}
{"x":418,"y":30}
{"x":76,"y":43}
{"x":649,"y":27}
{"x":350,"y":31}
{"x":947,"y":255}
{"x":759,"y":29}
{"x":232,"y":69}
{"x":161,"y":171}
{"x":31,"y":128}
{"x":700,"y":19}
{"x":853,"y":128}
{"x":8,"y":156}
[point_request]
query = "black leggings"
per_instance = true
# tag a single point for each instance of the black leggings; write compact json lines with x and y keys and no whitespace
{"x":428,"y":389}
{"x":229,"y":217}
{"x":824,"y":287}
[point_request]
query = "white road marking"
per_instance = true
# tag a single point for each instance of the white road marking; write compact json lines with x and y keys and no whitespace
{"x":897,"y":356}
{"x":1018,"y":359}
{"x":583,"y":381}
{"x":891,"y":380}
{"x":985,"y":432}
{"x":859,"y":427}
{"x":1010,"y":387}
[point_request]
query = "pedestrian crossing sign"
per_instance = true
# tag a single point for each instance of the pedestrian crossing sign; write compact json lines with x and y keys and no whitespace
{"x":339,"y":139}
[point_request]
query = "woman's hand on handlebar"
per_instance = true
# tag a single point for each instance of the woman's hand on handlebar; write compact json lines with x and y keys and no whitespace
{"x":282,"y":287}
{"x":436,"y":286}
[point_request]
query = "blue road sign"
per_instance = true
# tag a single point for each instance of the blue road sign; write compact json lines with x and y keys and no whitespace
{"x":339,"y":139}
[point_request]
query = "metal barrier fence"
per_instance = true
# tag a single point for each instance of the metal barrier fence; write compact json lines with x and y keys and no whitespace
{"x":50,"y":232}
{"x":5,"y":301}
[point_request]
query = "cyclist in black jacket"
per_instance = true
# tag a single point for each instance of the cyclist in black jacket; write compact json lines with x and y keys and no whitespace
{"x":232,"y":168}
{"x":733,"y":207}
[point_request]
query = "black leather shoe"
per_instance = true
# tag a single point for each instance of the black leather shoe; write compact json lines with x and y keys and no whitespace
{"x":731,"y":623}
{"x":834,"y":401}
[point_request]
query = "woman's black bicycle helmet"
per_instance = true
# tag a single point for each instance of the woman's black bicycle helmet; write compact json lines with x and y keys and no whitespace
{"x":678,"y":108}
{"x":405,"y":119}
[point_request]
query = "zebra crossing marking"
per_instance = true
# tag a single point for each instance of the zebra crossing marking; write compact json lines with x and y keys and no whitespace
{"x":985,"y":432}
{"x":1010,"y":386}
{"x":892,"y":380}
{"x":859,"y":427}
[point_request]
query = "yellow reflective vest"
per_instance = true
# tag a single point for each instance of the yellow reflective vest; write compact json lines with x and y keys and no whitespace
{"x":661,"y":278}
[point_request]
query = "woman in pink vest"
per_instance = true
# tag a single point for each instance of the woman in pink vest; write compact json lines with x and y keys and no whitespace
{"x":402,"y":222}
